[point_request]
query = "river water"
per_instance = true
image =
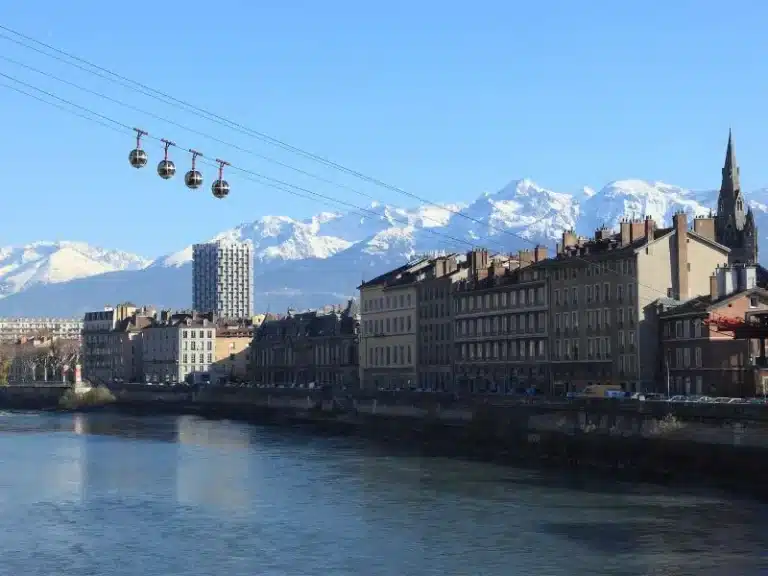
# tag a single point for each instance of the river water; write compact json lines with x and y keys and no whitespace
{"x":113,"y":495}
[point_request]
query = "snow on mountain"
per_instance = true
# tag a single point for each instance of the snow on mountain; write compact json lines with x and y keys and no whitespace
{"x":314,"y":261}
{"x":55,"y":262}
{"x":627,"y":198}
{"x":519,"y":214}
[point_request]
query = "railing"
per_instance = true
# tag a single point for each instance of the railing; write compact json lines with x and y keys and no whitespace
{"x":39,"y":384}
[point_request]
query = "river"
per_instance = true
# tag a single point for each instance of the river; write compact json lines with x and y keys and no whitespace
{"x":113,"y":495}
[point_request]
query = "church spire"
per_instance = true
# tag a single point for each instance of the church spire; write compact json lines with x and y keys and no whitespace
{"x":730,"y":169}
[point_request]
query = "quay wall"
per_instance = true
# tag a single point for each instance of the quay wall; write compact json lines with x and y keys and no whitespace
{"x":718,"y":443}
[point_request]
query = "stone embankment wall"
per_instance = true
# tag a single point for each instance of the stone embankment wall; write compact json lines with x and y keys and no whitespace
{"x":32,"y":396}
{"x":724,"y":442}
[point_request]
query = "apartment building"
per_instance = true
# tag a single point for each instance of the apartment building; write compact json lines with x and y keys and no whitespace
{"x":101,"y":346}
{"x":389,"y":343}
{"x":309,"y":348}
{"x":699,"y":353}
{"x":13,"y":329}
{"x":222,"y":278}
{"x":232,"y":353}
{"x":127,"y":341}
{"x":501,"y":324}
{"x":603,"y":293}
{"x":179,"y":347}
{"x":435,"y":321}
{"x":112,"y":349}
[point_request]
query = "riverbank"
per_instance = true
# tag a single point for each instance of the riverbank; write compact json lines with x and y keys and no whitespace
{"x":723,"y":446}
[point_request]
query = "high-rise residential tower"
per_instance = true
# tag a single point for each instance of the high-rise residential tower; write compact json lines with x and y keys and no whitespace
{"x":222,"y":278}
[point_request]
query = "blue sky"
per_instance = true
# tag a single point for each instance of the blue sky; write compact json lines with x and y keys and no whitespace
{"x":446,"y":100}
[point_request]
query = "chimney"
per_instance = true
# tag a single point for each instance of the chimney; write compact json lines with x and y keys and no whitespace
{"x":636,"y":230}
{"x":681,"y":252}
{"x":477,"y":259}
{"x":713,"y":287}
{"x":602,"y":233}
{"x":569,"y":239}
{"x":650,"y":228}
{"x":705,"y":226}
{"x":439,"y":267}
{"x":540,"y":253}
{"x":524,"y":258}
{"x":624,"y":228}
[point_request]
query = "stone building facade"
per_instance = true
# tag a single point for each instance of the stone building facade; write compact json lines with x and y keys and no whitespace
{"x":501,"y":324}
{"x":310,"y":348}
{"x":699,"y":356}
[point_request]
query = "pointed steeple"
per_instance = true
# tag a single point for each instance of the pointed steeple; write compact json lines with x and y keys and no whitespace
{"x":730,"y":168}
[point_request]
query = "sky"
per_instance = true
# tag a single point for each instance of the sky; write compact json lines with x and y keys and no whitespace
{"x":445,"y":100}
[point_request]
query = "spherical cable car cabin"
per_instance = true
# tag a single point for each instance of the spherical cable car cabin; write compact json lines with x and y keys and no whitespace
{"x":138,"y":156}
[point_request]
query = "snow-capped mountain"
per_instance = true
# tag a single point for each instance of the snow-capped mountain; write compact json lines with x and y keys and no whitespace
{"x":640,"y":198}
{"x":319,"y":260}
{"x":22,"y":267}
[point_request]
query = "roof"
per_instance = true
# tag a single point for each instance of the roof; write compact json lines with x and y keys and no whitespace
{"x":134,"y":324}
{"x":412,"y":272}
{"x":311,"y":323}
{"x":404,"y":272}
{"x":704,"y":303}
{"x":611,"y":247}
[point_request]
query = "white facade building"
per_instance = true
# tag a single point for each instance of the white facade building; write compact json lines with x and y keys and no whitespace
{"x":178,"y":349}
{"x":222,"y":278}
{"x":12,"y":329}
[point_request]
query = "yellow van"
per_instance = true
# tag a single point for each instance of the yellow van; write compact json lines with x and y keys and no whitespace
{"x":602,"y":391}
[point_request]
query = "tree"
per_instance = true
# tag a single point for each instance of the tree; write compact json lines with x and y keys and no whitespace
{"x":64,"y":355}
{"x":7,"y":353}
{"x":28,"y":358}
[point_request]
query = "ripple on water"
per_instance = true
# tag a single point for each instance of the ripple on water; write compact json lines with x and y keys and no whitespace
{"x":114,"y":496}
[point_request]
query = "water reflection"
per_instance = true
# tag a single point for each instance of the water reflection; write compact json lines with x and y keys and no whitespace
{"x":212,"y":469}
{"x":116,"y":495}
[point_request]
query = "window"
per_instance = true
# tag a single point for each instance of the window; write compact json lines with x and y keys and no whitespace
{"x":697,"y":357}
{"x":687,"y":357}
{"x":678,"y":329}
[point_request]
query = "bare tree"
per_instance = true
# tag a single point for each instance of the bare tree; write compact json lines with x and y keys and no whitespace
{"x":28,"y":358}
{"x":64,"y":355}
{"x":7,"y":354}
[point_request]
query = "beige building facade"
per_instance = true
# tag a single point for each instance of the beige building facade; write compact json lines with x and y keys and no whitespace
{"x":389,"y":345}
{"x":603,"y":290}
{"x":232,"y":358}
{"x":501,"y":324}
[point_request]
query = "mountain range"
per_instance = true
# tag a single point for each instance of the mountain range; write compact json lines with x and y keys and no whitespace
{"x":320,"y":260}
